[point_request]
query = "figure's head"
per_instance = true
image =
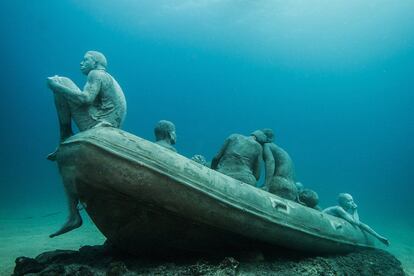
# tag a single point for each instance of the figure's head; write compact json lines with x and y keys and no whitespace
{"x":93,"y":60}
{"x":346,"y":201}
{"x":309,"y":198}
{"x":165,"y":130}
{"x":259,"y":136}
{"x":269,"y":134}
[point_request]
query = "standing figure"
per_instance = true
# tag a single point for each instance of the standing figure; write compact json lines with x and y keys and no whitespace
{"x":165,"y":134}
{"x":100,"y":103}
{"x":240,"y":157}
{"x":347,"y":210}
{"x":279,"y":169}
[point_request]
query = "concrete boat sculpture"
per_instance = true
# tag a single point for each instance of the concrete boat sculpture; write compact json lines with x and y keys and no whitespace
{"x":144,"y":197}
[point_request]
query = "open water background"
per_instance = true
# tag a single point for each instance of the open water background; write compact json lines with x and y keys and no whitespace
{"x":334,"y":79}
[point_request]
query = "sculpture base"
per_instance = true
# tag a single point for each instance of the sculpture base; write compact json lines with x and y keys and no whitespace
{"x":100,"y":260}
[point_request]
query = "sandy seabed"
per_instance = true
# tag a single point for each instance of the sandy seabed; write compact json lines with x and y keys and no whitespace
{"x":25,"y":232}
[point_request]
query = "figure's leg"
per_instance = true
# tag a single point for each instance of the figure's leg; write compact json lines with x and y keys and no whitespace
{"x":243,"y":176}
{"x":283,"y":187}
{"x":64,"y":116}
{"x":65,"y":121}
{"x":74,"y":219}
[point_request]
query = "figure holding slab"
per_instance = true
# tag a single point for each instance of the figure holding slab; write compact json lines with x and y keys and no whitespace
{"x":100,"y":103}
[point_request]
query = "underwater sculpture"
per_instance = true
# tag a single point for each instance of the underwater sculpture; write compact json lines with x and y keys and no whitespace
{"x":201,"y":160}
{"x":240,"y":156}
{"x":100,"y":103}
{"x":279,"y":169}
{"x":165,"y":134}
{"x":299,"y":186}
{"x":309,"y":198}
{"x":145,"y":198}
{"x":347,"y":210}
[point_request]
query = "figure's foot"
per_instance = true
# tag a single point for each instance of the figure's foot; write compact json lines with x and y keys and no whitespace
{"x":103,"y":124}
{"x":53,"y":156}
{"x":72,"y":223}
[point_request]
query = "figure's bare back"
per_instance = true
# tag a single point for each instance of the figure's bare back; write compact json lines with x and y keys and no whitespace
{"x":283,"y":162}
{"x":241,"y":152}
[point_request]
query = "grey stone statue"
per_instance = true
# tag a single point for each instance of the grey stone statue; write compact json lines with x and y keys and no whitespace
{"x":201,"y":160}
{"x":100,"y":103}
{"x":309,"y":198}
{"x":279,"y":169}
{"x":240,"y":156}
{"x":299,"y":186}
{"x":165,"y":134}
{"x":347,"y":210}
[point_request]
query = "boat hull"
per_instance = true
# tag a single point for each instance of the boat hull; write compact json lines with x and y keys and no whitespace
{"x":143,"y":197}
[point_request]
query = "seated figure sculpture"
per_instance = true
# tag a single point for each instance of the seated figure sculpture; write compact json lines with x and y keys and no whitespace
{"x":100,"y":103}
{"x":240,"y":156}
{"x":347,"y":210}
{"x":279,"y":169}
{"x":165,"y":134}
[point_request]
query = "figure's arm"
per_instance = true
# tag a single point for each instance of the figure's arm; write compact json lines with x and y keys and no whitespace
{"x":372,"y":232}
{"x":343,"y":214}
{"x":89,"y":93}
{"x":340,"y":212}
{"x":356,"y":216}
{"x":256,"y":169}
{"x":219,"y":155}
{"x":269,"y":163}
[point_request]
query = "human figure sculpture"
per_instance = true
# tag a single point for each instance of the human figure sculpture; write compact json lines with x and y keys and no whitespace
{"x":201,"y":160}
{"x":165,"y":134}
{"x":240,"y":156}
{"x":100,"y":103}
{"x":309,"y":198}
{"x":347,"y":210}
{"x":279,"y":177}
{"x":299,"y":186}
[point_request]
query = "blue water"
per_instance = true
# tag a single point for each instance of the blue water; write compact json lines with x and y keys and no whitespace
{"x":334,"y":79}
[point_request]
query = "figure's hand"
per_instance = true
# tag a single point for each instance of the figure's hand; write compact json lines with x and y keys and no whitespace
{"x":385,"y":241}
{"x":199,"y":159}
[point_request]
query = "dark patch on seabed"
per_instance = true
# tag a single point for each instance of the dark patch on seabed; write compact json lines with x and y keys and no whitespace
{"x":99,"y":260}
